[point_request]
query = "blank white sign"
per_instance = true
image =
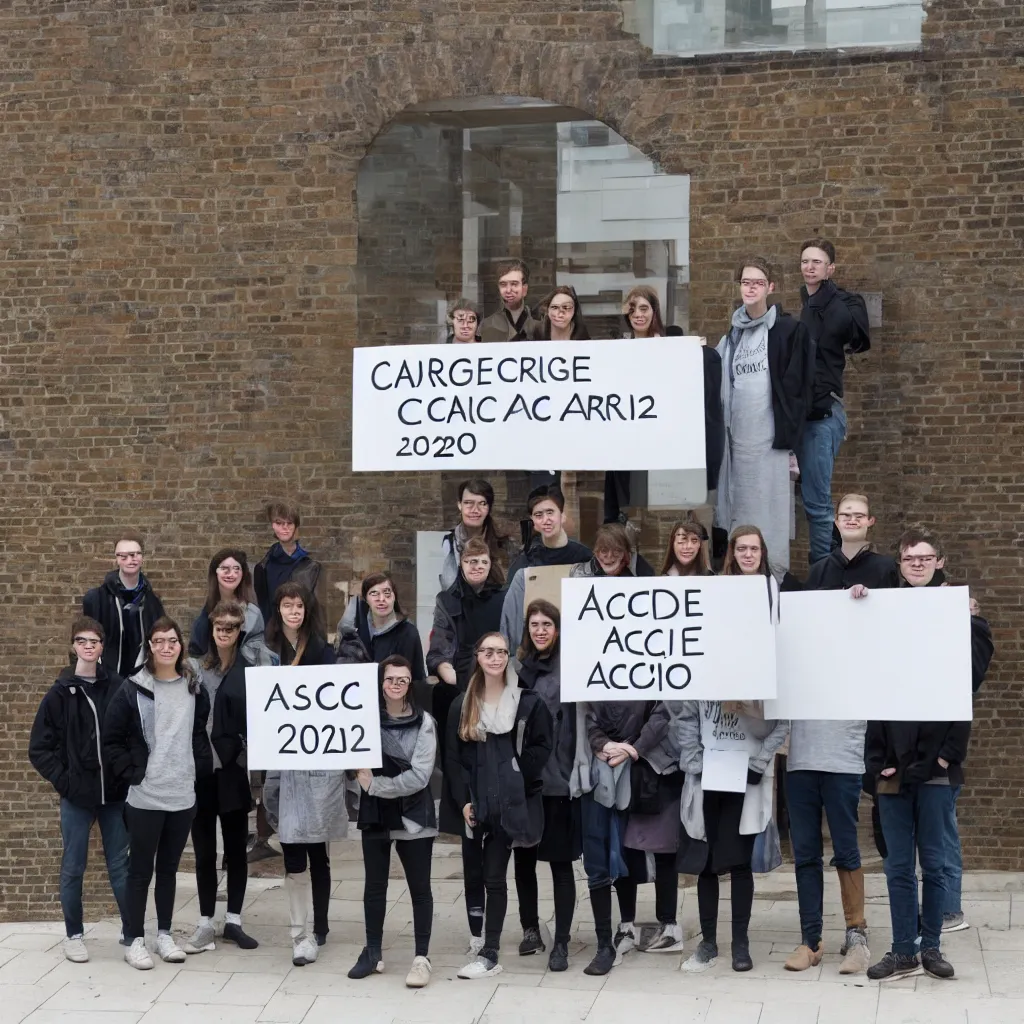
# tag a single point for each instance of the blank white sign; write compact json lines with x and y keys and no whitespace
{"x":895,"y":655}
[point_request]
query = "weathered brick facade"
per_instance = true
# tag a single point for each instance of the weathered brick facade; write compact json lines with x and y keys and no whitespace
{"x":179,"y":296}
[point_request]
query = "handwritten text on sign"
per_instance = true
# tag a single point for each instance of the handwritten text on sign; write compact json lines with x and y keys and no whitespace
{"x":627,"y":404}
{"x":671,"y":638}
{"x":313,"y":717}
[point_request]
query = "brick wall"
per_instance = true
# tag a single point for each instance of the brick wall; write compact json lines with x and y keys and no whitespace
{"x":179,"y":295}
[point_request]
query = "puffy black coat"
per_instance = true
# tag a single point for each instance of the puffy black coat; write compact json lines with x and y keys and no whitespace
{"x":126,"y":624}
{"x":837,"y":322}
{"x":66,"y":744}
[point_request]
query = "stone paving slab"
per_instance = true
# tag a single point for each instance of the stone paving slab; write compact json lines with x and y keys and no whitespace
{"x":230,"y":986}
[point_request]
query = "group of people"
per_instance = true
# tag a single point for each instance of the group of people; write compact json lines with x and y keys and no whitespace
{"x":148,"y":737}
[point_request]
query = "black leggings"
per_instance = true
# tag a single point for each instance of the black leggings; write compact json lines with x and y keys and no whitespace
{"x":415,"y":857}
{"x":473,"y":879}
{"x":666,"y":888}
{"x":155,"y":837}
{"x":563,"y":883}
{"x":295,"y":858}
{"x":742,"y":903}
{"x":497,"y":853}
{"x":234,"y":827}
{"x":601,"y":904}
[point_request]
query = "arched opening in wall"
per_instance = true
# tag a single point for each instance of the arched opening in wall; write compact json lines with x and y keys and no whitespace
{"x":451,"y":188}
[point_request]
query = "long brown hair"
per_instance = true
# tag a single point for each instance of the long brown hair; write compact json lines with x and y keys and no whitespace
{"x":691,"y":525}
{"x":578,"y":329}
{"x":165,"y":624}
{"x":469,"y":721}
{"x":274,"y":636}
{"x":225,"y":610}
{"x":244,"y":592}
{"x":539,"y":607}
{"x":732,"y":567}
{"x":642,"y":291}
{"x":478,"y":546}
{"x":496,"y":539}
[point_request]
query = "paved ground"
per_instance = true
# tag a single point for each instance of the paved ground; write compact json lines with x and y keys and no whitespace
{"x":37,"y":986}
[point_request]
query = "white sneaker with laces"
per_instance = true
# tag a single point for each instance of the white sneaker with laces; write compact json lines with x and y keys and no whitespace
{"x":74,"y":949}
{"x":476,"y":943}
{"x":305,"y":951}
{"x":667,"y":939}
{"x":419,"y":973}
{"x":481,"y":967}
{"x":137,"y":956}
{"x":168,"y":950}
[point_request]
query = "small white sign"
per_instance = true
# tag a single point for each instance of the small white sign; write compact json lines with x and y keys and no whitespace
{"x":313,"y":717}
{"x":576,"y":405}
{"x":667,"y":638}
{"x":725,"y":771}
{"x":895,"y":655}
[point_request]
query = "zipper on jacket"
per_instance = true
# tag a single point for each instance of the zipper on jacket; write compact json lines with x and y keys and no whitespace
{"x":99,"y":747}
{"x":120,"y":639}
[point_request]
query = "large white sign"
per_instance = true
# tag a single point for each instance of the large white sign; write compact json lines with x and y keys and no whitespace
{"x":895,"y":655}
{"x":322,"y":717}
{"x":667,"y":638}
{"x":627,"y":404}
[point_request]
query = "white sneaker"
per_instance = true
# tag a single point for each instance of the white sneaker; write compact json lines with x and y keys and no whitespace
{"x":625,"y":938}
{"x":74,"y":949}
{"x":419,"y":973}
{"x":476,"y":943}
{"x":304,"y":951}
{"x":202,"y":939}
{"x":138,"y":956}
{"x":168,"y":950}
{"x":667,"y":939}
{"x":481,"y":967}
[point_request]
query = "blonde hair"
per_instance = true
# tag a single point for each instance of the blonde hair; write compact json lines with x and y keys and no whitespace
{"x":469,"y":721}
{"x":862,"y":498}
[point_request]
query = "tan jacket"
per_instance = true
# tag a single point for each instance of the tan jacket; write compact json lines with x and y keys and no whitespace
{"x":498,"y":327}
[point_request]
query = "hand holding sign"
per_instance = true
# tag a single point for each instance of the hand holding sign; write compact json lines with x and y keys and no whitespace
{"x":324,"y":717}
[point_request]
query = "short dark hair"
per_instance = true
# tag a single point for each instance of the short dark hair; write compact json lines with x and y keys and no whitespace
{"x":132,"y":535}
{"x":820,"y":243}
{"x":396,"y":661}
{"x":920,"y":535}
{"x":763,"y":264}
{"x":83,"y":624}
{"x":283,"y":510}
{"x":375,"y":579}
{"x":546,"y":492}
{"x":508,"y":266}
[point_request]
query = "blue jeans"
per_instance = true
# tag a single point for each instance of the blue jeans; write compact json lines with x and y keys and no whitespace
{"x":819,"y":449}
{"x":75,"y":826}
{"x":807,"y":795}
{"x":603,"y":830}
{"x":915,"y":817}
{"x":954,"y":858}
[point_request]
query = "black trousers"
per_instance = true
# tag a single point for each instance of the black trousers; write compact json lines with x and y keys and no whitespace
{"x":742,"y":903}
{"x":563,"y":884}
{"x":415,"y":857}
{"x":296,"y":855}
{"x":234,"y":827}
{"x":601,"y":905}
{"x":497,"y":851}
{"x":156,"y":838}
{"x":666,"y":888}
{"x":473,"y":880}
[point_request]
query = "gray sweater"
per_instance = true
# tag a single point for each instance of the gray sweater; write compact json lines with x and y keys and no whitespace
{"x":826,"y":747}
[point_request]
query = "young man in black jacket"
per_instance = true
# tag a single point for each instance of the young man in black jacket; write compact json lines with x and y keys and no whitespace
{"x":286,"y":561}
{"x":125,"y":606}
{"x":837,"y":322}
{"x":66,"y":748}
{"x":918,"y":771}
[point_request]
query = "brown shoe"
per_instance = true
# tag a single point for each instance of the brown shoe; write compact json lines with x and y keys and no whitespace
{"x":803,"y":957}
{"x":856,"y":958}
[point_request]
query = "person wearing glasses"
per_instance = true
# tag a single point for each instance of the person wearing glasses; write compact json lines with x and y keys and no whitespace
{"x":548,"y":544}
{"x":767,"y":373}
{"x":463,"y":322}
{"x":225,"y":795}
{"x":917,"y":773}
{"x":503,"y":741}
{"x":66,"y":748}
{"x":125,"y":606}
{"x":825,"y":764}
{"x":156,"y":741}
{"x":228,"y":579}
{"x":287,"y":562}
{"x":563,"y":318}
{"x":476,"y":499}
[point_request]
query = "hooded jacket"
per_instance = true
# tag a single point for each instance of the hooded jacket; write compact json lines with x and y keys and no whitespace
{"x":126,"y":617}
{"x":837,"y":572}
{"x":400,"y":637}
{"x":124,"y":739}
{"x":277,"y":567}
{"x":461,"y":617}
{"x":66,"y":744}
{"x":837,"y":322}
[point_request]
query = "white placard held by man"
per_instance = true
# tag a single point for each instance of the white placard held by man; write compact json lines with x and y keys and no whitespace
{"x":318,"y":717}
{"x":667,"y":638}
{"x":579,"y":405}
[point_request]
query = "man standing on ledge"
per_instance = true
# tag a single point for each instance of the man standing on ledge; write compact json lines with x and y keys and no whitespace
{"x":513,"y":321}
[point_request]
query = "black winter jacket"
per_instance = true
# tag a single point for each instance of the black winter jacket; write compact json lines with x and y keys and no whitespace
{"x":837,"y":322}
{"x":318,"y":652}
{"x":66,"y":744}
{"x":275,"y":568}
{"x":124,"y":743}
{"x":126,"y":617}
{"x":228,"y":735}
{"x":461,"y":617}
{"x":402,"y":638}
{"x":836,"y":572}
{"x":791,"y":369}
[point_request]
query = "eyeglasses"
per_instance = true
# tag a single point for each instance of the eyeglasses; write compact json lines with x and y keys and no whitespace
{"x":561,"y":309}
{"x":385,"y":593}
{"x":494,"y":652}
{"x":473,"y":505}
{"x":157,"y":644}
{"x":918,"y":559}
{"x":477,"y":563}
{"x":229,"y":629}
{"x":750,"y":282}
{"x":87,"y":641}
{"x":548,"y":513}
{"x":471,"y":319}
{"x":851,"y":517}
{"x":229,"y":570}
{"x":397,"y":681}
{"x":124,"y":556}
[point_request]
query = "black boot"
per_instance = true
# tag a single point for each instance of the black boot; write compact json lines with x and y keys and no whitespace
{"x":369,"y":962}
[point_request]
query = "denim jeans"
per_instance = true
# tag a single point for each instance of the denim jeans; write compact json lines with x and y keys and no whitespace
{"x":819,"y":449}
{"x":807,"y":795}
{"x":915,"y":817}
{"x":75,"y":826}
{"x":954,"y":858}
